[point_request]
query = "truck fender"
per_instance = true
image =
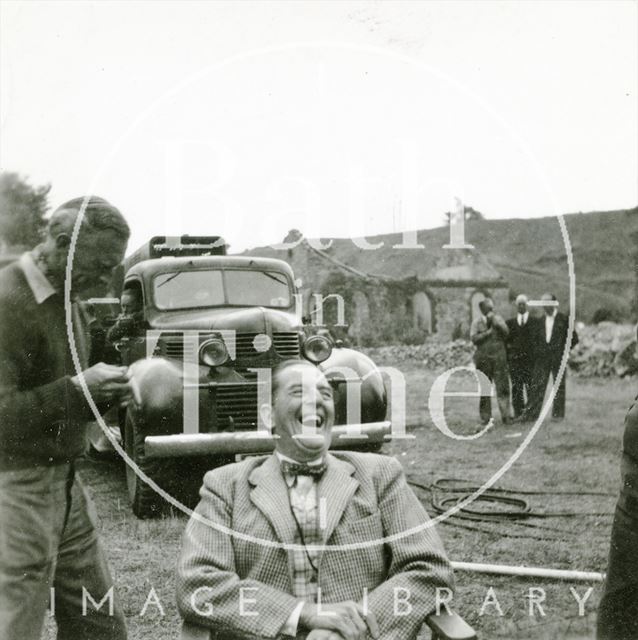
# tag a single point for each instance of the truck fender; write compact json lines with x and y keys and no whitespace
{"x":374,"y":403}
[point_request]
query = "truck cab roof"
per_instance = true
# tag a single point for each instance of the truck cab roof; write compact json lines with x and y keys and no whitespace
{"x":148,"y":268}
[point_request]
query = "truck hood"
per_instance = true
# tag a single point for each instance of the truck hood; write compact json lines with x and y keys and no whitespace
{"x":240,"y":319}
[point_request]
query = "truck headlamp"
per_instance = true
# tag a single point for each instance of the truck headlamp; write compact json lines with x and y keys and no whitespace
{"x":213,"y":352}
{"x":317,"y":349}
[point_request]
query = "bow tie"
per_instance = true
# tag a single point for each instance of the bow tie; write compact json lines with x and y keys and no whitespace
{"x":298,"y":469}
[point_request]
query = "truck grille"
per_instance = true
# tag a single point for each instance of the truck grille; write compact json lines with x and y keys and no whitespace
{"x":236,"y":407}
{"x":285,"y":343}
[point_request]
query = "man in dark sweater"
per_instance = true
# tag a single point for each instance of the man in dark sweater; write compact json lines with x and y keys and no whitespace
{"x":49,"y":552}
{"x":488,"y":333}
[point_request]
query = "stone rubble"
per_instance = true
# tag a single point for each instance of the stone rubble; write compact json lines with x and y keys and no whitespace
{"x":604,"y":350}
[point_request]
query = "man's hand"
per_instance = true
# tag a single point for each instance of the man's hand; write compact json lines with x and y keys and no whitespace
{"x":126,"y":324}
{"x":106,"y":383}
{"x":347,"y":619}
{"x":323,"y":634}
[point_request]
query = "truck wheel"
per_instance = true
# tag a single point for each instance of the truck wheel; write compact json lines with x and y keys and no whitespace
{"x":145,"y":502}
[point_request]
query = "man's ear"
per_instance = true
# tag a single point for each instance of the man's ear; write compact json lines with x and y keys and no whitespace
{"x":62,"y":241}
{"x":265,"y":411}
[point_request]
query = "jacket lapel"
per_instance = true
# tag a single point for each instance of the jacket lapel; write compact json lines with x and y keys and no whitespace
{"x":336,"y":488}
{"x":270,"y":496}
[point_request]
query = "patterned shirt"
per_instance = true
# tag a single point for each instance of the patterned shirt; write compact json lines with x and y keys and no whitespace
{"x":302,"y":491}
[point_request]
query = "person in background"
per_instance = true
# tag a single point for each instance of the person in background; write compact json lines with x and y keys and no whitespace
{"x":489,"y":332}
{"x":550,"y":335}
{"x":520,"y":354}
{"x":321,"y":505}
{"x":49,"y":550}
{"x":618,"y":609}
{"x":130,"y":322}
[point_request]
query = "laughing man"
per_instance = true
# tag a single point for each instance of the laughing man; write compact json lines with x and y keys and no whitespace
{"x":307,"y":543}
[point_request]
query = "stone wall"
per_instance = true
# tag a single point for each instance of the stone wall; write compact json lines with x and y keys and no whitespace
{"x":377,"y":313}
{"x":381,"y":312}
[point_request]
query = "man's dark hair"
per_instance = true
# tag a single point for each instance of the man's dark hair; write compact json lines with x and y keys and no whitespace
{"x":99,"y":215}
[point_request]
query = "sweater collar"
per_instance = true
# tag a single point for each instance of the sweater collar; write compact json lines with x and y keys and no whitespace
{"x":39,"y":285}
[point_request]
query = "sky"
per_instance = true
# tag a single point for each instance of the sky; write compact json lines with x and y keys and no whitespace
{"x":338,"y":119}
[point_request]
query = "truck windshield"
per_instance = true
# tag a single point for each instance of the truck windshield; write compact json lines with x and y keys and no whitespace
{"x":216,"y":288}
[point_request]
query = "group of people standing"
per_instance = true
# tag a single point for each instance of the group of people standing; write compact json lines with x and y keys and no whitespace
{"x":524,"y":350}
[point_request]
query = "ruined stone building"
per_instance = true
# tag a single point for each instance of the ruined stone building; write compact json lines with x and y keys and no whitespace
{"x":392,"y":294}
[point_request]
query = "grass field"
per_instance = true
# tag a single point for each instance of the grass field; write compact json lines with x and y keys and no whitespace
{"x":579,"y":454}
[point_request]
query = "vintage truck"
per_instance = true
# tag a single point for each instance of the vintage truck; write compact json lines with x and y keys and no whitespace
{"x":222,"y":322}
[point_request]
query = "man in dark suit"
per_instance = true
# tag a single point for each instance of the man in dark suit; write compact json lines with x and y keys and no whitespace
{"x":520,"y":354}
{"x":313,"y":542}
{"x":550,"y":335}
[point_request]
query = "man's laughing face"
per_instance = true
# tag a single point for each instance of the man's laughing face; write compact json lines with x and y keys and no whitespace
{"x":302,"y":412}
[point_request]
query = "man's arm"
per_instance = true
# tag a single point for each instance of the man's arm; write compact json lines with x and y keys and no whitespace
{"x":208,"y":587}
{"x":125,"y":326}
{"x":574,"y":334}
{"x":500,"y":324}
{"x":55,"y":409}
{"x":418,"y":563}
{"x":479,"y":332}
{"x":116,"y":332}
{"x":511,"y":324}
{"x":26,"y":412}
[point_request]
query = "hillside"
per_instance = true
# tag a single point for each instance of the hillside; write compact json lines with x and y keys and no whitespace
{"x":530,"y":254}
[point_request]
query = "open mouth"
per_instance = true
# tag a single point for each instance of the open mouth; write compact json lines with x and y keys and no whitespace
{"x":313,"y":421}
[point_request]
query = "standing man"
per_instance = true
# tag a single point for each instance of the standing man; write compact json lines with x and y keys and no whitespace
{"x":488,"y":333}
{"x":520,"y":356}
{"x":49,"y":552}
{"x":305,"y":541}
{"x":551,"y":334}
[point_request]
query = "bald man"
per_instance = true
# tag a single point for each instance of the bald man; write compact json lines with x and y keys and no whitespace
{"x":488,"y":333}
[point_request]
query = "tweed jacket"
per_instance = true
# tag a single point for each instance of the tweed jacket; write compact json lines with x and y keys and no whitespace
{"x":366,"y":499}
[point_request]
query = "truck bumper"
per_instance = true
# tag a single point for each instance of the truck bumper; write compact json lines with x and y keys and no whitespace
{"x":248,"y":442}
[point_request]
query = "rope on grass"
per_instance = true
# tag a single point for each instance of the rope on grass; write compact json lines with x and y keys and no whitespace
{"x":519,"y":508}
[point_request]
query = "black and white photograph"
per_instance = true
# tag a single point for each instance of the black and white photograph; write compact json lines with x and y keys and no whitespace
{"x":318,"y":320}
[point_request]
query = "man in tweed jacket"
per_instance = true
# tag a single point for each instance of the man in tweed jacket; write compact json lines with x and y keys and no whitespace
{"x":249,"y":566}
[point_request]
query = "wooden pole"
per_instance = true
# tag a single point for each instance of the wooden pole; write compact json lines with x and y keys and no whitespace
{"x":532,"y":572}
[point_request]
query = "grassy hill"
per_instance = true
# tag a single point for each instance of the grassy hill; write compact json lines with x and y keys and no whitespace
{"x":530,"y":254}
